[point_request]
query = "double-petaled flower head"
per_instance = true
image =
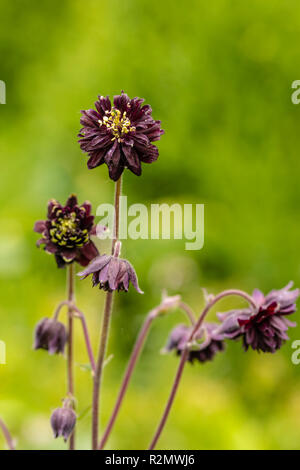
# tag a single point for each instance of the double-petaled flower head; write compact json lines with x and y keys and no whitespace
{"x":263,"y":329}
{"x":203,"y":347}
{"x":66,"y":232}
{"x":111,"y":273}
{"x":119,"y":134}
{"x":63,"y":421}
{"x":51,"y":335}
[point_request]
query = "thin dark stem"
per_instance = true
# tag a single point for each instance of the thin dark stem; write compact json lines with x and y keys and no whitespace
{"x":80,"y":315}
{"x":184,"y":356}
{"x":70,"y":359}
{"x":105,"y":327}
{"x":130,"y":367}
{"x":118,"y":189}
{"x":190,"y":314}
{"x":7,"y":435}
{"x":134,"y":357}
{"x":99,"y":367}
{"x":59,"y":307}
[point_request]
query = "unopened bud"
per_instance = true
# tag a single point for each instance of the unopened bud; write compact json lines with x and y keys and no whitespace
{"x":51,"y":335}
{"x":63,"y":421}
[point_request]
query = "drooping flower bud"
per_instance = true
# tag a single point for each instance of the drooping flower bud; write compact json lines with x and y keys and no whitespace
{"x":204,"y":346}
{"x":63,"y":421}
{"x":111,"y":273}
{"x":51,"y":335}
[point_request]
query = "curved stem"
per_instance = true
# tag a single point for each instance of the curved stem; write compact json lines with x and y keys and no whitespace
{"x":59,"y":307}
{"x":79,"y":314}
{"x":130,"y":367}
{"x":99,"y":367}
{"x":184,"y":356}
{"x":105,"y":327}
{"x":7,"y":435}
{"x":86,"y":337}
{"x":134,"y":357}
{"x":190,"y":314}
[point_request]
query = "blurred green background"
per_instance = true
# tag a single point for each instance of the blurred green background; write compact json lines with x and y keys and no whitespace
{"x":218,"y":75}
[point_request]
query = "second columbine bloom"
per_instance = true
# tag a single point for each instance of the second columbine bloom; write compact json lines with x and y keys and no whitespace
{"x":66,"y":232}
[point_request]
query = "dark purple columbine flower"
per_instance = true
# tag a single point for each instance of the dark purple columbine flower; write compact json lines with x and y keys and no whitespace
{"x":263,"y":329}
{"x":204,"y":346}
{"x":66,"y":232}
{"x":63,"y":421}
{"x":51,"y":335}
{"x":111,"y":273}
{"x":119,"y":135}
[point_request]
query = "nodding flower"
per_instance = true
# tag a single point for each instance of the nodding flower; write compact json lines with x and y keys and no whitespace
{"x":203,"y":347}
{"x":51,"y":335}
{"x":265,"y":329}
{"x":111,"y":273}
{"x":63,"y":421}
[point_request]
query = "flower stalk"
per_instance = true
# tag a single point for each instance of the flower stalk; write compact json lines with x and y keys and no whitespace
{"x":184,"y":356}
{"x":89,"y":349}
{"x":7,"y":436}
{"x":70,"y":358}
{"x":105,"y":327}
{"x":166,"y":304}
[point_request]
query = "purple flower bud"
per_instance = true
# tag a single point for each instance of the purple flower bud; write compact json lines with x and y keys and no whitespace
{"x":119,"y":135}
{"x":51,"y":335}
{"x":63,"y":421}
{"x":263,"y":329}
{"x":111,"y":273}
{"x":204,"y":346}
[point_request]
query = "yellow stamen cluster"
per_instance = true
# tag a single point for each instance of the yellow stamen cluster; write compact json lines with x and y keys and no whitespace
{"x":117,"y":123}
{"x":65,"y":232}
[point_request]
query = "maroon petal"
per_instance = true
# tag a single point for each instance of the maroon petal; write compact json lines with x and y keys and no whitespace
{"x":51,"y":204}
{"x":41,"y":241}
{"x":87,"y":207}
{"x":96,"y":159}
{"x":133,"y":277}
{"x":39,"y":226}
{"x":72,"y":201}
{"x":113,"y":271}
{"x":68,"y":255}
{"x":133,"y":161}
{"x":121,"y":102}
{"x":96,"y":265}
{"x":103,"y":104}
{"x":115,"y":171}
{"x":149,"y":156}
{"x":258,"y":297}
{"x":51,"y":248}
{"x":89,"y":250}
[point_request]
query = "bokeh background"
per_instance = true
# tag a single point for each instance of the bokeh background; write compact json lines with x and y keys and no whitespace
{"x":218,"y":74}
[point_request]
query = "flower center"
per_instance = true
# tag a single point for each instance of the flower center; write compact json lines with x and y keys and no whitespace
{"x":117,"y":123}
{"x":65,"y":232}
{"x":68,"y":224}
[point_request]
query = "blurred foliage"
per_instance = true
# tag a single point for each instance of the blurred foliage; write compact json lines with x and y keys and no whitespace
{"x":218,"y":75}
